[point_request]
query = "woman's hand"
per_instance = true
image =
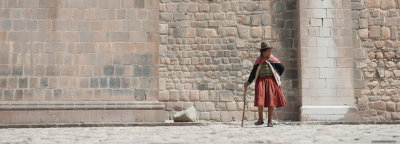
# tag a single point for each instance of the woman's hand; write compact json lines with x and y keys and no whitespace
{"x":246,"y":85}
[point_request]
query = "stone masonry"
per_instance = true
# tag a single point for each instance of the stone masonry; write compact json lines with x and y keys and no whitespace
{"x":376,"y":29}
{"x":70,"y":50}
{"x":95,"y":53}
{"x":327,"y":60}
{"x":121,"y":61}
{"x":207,"y":48}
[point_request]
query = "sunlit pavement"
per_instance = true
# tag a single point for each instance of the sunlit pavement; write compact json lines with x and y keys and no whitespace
{"x":210,"y":133}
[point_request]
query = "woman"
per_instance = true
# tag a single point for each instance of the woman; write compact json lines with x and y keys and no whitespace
{"x":268,"y":92}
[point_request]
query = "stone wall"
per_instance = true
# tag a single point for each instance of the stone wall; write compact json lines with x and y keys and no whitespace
{"x":79,"y":61}
{"x":76,"y":55}
{"x":376,"y":39}
{"x":207,"y":48}
{"x":73,"y":50}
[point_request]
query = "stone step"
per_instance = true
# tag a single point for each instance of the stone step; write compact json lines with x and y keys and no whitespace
{"x":81,"y":112}
{"x":80,"y":105}
{"x":329,"y":113}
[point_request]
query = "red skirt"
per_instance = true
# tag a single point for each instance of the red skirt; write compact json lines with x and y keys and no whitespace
{"x":268,"y":93}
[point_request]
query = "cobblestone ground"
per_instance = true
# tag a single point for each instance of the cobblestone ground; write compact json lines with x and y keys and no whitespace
{"x":213,"y":133}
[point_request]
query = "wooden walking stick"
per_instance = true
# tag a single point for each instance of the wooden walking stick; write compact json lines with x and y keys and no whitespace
{"x":244,"y":104}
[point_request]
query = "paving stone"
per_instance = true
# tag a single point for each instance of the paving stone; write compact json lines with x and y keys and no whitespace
{"x":213,"y":133}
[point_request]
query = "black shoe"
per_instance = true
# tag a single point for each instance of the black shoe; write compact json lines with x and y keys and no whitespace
{"x":270,"y":125}
{"x":259,"y":122}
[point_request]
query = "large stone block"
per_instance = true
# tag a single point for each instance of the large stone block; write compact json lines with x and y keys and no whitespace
{"x":17,"y":70}
{"x":395,"y":115}
{"x":194,"y":95}
{"x":188,"y":115}
{"x":139,"y":3}
{"x":4,"y":70}
{"x":243,"y":19}
{"x":210,"y":106}
{"x":204,"y":96}
{"x":357,"y":6}
{"x":220,"y":106}
{"x":398,"y":3}
{"x":203,"y":7}
{"x":3,"y":83}
{"x":256,"y":19}
{"x":115,"y":83}
{"x":140,"y":94}
{"x":226,"y":116}
{"x":108,"y":70}
{"x":231,"y":32}
{"x":204,"y":115}
{"x":184,"y":95}
{"x":316,"y":22}
{"x":398,"y":107}
{"x":379,"y":105}
{"x":374,"y":32}
{"x":372,"y":3}
{"x":211,"y":33}
{"x":256,"y":32}
{"x":388,"y":4}
{"x":314,"y":4}
{"x":215,"y":115}
{"x":231,"y":106}
{"x":385,"y":33}
{"x":201,"y":106}
{"x":244,"y":32}
{"x":225,"y":96}
{"x":391,"y":106}
{"x":215,"y":7}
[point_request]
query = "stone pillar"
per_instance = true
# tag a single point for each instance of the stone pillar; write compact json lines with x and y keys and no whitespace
{"x":326,"y":60}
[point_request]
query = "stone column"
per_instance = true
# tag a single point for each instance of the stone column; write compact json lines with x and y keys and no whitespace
{"x":326,"y":60}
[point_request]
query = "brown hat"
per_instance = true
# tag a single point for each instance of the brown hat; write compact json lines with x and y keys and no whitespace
{"x":264,"y":46}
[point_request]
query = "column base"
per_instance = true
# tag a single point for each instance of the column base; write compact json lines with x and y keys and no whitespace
{"x":329,"y":113}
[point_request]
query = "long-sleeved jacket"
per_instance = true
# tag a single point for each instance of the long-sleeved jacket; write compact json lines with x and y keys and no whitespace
{"x":279,"y":68}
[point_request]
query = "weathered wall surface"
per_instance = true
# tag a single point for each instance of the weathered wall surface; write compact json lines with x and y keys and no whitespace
{"x":79,"y":61}
{"x":207,"y":48}
{"x":376,"y":29}
{"x":75,"y":54}
{"x":327,"y":60}
{"x":68,"y":50}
